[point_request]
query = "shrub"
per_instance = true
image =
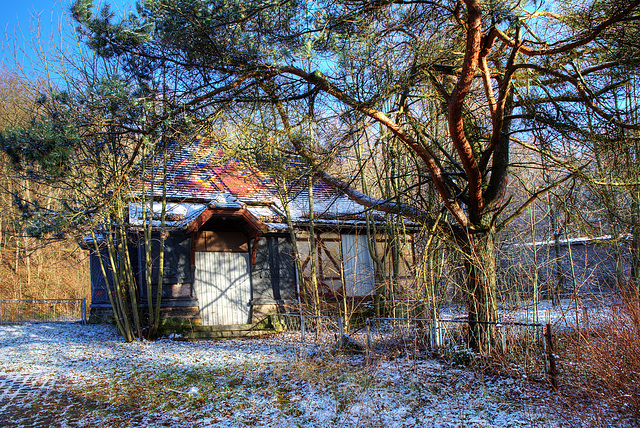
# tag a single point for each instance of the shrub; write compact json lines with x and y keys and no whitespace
{"x":606,"y":366}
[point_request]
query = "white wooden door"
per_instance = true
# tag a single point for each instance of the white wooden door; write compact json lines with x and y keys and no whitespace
{"x":223,"y":287}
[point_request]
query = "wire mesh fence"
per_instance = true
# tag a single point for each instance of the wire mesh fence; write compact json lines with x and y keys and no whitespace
{"x":523,"y":349}
{"x":310,"y":334}
{"x":42,"y":310}
{"x":516,"y":347}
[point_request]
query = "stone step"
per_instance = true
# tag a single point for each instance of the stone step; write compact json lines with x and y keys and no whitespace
{"x":231,"y":327}
{"x":224,"y":334}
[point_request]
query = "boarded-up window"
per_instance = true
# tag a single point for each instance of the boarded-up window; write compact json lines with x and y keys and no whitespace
{"x":303,"y":250}
{"x":176,"y":274}
{"x":349,"y":255}
{"x":397,"y":257}
{"x":330,"y":260}
{"x":98,"y":284}
{"x":327,"y":259}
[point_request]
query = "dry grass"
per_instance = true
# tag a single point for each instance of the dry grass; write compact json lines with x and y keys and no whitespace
{"x":56,"y":271}
{"x":603,"y":368}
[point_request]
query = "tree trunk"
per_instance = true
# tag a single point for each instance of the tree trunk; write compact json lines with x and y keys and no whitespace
{"x":481,"y":290}
{"x":534,"y":279}
{"x":559,"y":285}
{"x":313,"y":253}
{"x":617,"y":241}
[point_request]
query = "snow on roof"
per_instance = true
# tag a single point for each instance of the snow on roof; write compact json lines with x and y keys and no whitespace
{"x":87,"y":242}
{"x":327,"y":203}
{"x":178,"y":215}
{"x":277,"y":227}
{"x":225,"y":200}
{"x":266,"y":213}
{"x":570,"y":241}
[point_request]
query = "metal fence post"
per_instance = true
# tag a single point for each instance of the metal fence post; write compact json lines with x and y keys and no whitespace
{"x":368,"y":328}
{"x":1,"y":311}
{"x":341,"y":327}
{"x":84,"y":310}
{"x":302,"y":328}
{"x":436,"y":333}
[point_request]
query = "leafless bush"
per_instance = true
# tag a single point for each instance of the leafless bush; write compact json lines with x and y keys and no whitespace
{"x":604,"y":369}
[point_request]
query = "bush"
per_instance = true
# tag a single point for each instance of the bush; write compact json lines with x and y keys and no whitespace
{"x":606,"y":366}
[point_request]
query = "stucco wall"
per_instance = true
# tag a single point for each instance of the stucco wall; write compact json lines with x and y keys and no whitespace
{"x":594,"y":265}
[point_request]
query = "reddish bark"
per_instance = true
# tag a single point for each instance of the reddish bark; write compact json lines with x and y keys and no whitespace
{"x":456,"y":104}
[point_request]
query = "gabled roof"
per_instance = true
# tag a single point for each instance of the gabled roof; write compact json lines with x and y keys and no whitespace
{"x":201,"y":172}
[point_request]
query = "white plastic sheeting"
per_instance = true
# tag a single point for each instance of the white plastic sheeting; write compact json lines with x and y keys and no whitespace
{"x":358,"y":266}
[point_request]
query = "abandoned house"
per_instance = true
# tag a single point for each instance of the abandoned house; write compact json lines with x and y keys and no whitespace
{"x":229,"y":257}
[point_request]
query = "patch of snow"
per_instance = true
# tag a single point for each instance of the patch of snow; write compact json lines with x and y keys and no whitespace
{"x":178,"y":214}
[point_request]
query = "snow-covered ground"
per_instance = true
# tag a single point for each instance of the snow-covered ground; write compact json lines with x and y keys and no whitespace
{"x":96,"y":379}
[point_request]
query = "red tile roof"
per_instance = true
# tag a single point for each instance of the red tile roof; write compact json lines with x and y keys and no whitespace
{"x":200,"y":170}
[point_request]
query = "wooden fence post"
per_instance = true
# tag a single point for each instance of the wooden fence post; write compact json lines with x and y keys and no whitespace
{"x":553,"y":373}
{"x":368,"y":328}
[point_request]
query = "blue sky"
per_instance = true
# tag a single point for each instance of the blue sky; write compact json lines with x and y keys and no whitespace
{"x":22,"y":20}
{"x":21,"y":11}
